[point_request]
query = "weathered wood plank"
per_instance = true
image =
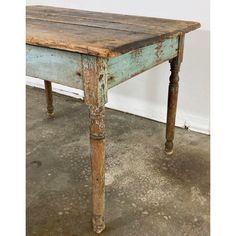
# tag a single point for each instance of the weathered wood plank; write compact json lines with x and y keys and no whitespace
{"x":98,"y":34}
{"x":54,"y":65}
{"x":128,"y":65}
{"x":103,"y":23}
{"x":82,"y":39}
{"x":138,"y":22}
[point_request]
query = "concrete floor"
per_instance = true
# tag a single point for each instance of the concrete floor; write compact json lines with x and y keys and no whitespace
{"x":147,"y":192}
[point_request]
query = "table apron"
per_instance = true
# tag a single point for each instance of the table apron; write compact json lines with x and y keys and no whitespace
{"x":54,"y":65}
{"x":65,"y":67}
{"x":126,"y":66}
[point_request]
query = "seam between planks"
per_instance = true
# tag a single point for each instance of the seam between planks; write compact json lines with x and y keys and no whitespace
{"x":91,"y":26}
{"x":187,"y":28}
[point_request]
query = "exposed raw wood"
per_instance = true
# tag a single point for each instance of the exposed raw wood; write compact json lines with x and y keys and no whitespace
{"x":94,"y":73}
{"x":95,"y":80}
{"x":100,"y":34}
{"x":101,"y":20}
{"x":97,"y":155}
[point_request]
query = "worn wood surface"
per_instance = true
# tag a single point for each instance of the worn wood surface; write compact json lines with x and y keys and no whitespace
{"x":173,"y":97}
{"x":94,"y":74}
{"x":99,"y":34}
{"x":95,"y":88}
{"x":97,"y":155}
{"x":54,"y":65}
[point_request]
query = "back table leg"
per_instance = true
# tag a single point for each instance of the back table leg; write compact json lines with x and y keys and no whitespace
{"x":49,"y":98}
{"x":173,"y":97}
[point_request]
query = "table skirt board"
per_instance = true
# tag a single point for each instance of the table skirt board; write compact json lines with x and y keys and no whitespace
{"x":66,"y":68}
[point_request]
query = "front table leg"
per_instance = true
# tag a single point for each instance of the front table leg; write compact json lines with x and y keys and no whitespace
{"x":95,"y":88}
{"x":173,"y":97}
{"x":97,"y":145}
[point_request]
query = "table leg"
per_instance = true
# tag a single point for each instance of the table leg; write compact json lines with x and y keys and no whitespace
{"x":94,"y":74}
{"x":172,"y":105}
{"x":173,"y":97}
{"x":97,"y":145}
{"x":49,"y":98}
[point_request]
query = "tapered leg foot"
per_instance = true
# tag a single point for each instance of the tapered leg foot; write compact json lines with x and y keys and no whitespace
{"x":98,"y":224}
{"x":169,"y":147}
{"x":49,"y":99}
{"x":51,"y":115}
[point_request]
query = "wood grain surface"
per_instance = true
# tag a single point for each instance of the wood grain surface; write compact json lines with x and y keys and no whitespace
{"x":94,"y":33}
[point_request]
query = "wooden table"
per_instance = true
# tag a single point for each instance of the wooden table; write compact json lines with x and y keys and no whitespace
{"x":94,"y":52}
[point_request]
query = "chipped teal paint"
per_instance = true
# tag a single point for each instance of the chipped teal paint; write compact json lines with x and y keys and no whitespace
{"x":126,"y":66}
{"x":66,"y":67}
{"x":54,"y":65}
{"x":95,"y":79}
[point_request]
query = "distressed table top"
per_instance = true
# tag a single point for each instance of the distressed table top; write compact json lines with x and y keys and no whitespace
{"x":100,"y":34}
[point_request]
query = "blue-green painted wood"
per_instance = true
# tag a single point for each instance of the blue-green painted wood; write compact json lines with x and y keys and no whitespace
{"x":126,"y":66}
{"x":58,"y":66}
{"x":95,"y":80}
{"x":66,"y":67}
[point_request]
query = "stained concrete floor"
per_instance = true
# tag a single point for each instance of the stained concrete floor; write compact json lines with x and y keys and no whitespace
{"x":147,"y":192}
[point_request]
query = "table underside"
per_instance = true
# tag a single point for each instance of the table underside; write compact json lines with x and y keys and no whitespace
{"x":66,"y":68}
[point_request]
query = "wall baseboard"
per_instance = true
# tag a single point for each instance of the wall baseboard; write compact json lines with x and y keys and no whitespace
{"x":139,"y":108}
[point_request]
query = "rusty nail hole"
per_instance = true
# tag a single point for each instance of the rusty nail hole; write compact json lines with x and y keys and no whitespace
{"x":100,"y":77}
{"x":36,"y":163}
{"x":78,"y":73}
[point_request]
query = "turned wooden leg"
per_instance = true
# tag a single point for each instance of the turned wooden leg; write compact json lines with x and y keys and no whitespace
{"x":49,"y":98}
{"x":172,"y":105}
{"x":97,"y":143}
{"x":173,"y":97}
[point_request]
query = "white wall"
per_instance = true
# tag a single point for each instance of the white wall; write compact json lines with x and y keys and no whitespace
{"x":146,"y":94}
